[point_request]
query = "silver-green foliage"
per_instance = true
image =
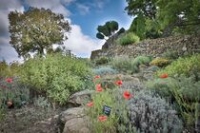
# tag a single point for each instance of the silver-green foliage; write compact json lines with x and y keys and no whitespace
{"x":152,"y":114}
{"x":42,"y":102}
{"x":104,"y":70}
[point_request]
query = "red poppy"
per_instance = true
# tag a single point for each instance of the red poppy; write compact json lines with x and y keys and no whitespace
{"x":97,"y":77}
{"x":127,"y":95}
{"x":9,"y":80}
{"x":99,"y":88}
{"x":102,"y":118}
{"x":164,"y":75}
{"x":119,"y":82}
{"x":90,"y":104}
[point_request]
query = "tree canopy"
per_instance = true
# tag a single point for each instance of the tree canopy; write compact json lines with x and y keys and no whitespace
{"x":36,"y":29}
{"x":171,"y":17}
{"x":107,"y":30}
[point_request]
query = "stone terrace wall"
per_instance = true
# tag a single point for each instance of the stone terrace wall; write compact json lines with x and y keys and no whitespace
{"x":182,"y":45}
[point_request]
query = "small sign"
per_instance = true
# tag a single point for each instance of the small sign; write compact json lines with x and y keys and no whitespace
{"x":106,"y":110}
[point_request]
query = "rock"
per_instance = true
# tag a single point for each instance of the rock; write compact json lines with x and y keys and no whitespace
{"x":77,"y":125}
{"x":75,"y":121}
{"x":78,"y":98}
{"x":152,"y":47}
{"x":71,"y":113}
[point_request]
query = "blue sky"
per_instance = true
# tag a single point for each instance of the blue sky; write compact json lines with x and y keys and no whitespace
{"x":84,"y":17}
{"x":93,"y":16}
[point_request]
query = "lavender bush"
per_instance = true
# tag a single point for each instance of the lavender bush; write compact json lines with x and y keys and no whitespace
{"x":152,"y":114}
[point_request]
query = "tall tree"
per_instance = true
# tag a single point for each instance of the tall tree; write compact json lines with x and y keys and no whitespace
{"x":146,"y":8}
{"x":182,"y":16}
{"x":172,"y":16}
{"x":107,"y":30}
{"x":36,"y":29}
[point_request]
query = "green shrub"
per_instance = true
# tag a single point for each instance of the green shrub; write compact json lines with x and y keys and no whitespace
{"x":152,"y":114}
{"x":128,"y":38}
{"x":10,"y":70}
{"x":56,"y":75}
{"x":160,"y":86}
{"x":4,"y":69}
{"x":182,"y":92}
{"x":186,"y":66}
{"x":142,"y":60}
{"x":124,"y":64}
{"x":169,"y":54}
{"x":189,"y":88}
{"x":160,"y":62}
{"x":129,"y":65}
{"x":102,"y":61}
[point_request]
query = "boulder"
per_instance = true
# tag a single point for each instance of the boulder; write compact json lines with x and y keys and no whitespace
{"x":78,"y":98}
{"x":75,"y":121}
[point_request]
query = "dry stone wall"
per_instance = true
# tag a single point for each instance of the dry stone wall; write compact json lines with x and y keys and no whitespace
{"x":182,"y":45}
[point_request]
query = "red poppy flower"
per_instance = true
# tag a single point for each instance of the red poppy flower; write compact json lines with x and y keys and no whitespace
{"x":119,"y":82}
{"x":102,"y":118}
{"x":97,"y":77}
{"x":90,"y":104}
{"x":127,"y":95}
{"x":9,"y":80}
{"x":99,"y":88}
{"x":164,"y":75}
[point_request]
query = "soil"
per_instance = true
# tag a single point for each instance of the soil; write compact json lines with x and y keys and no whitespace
{"x":30,"y":119}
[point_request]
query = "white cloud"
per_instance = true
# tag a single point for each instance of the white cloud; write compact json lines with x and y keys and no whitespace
{"x":5,"y":4}
{"x":56,"y":6}
{"x":5,"y":8}
{"x":99,"y":4}
{"x":81,"y":44}
{"x":7,"y":52}
{"x":83,"y":9}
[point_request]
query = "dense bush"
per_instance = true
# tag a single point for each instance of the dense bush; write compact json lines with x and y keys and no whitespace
{"x":128,"y":38}
{"x":102,"y":61}
{"x":128,"y":64}
{"x":139,"y":60}
{"x":124,"y":64}
{"x":182,"y":92}
{"x":152,"y":114}
{"x":56,"y":75}
{"x":4,"y":69}
{"x":8,"y":70}
{"x":187,"y":66}
{"x":160,"y":62}
{"x":160,"y":86}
